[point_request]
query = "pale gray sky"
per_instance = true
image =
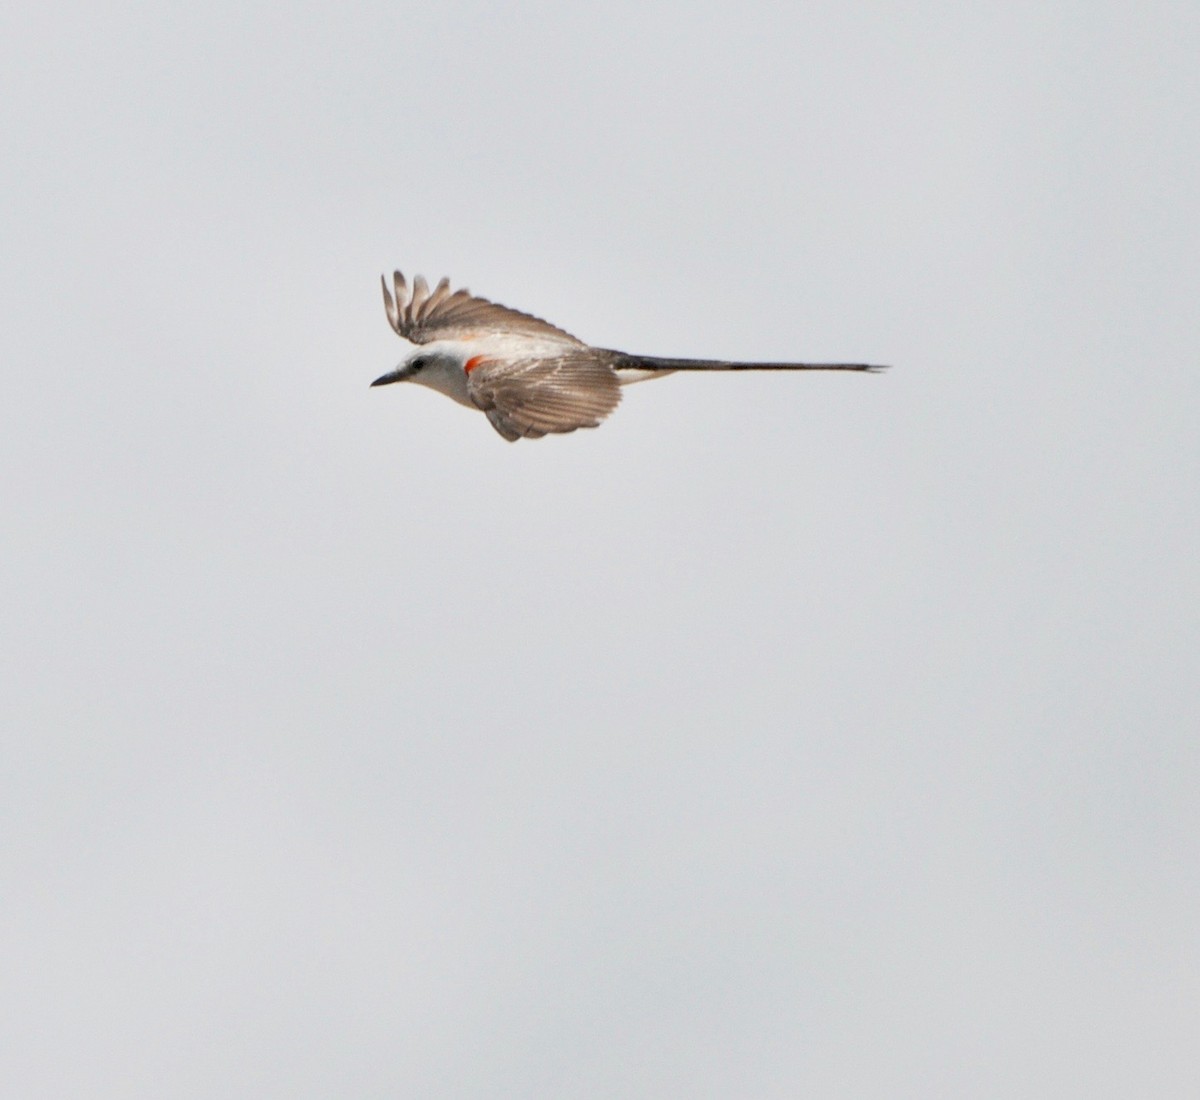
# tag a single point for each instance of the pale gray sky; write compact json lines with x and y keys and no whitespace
{"x":787,"y":736}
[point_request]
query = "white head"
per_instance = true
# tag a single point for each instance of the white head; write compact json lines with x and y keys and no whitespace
{"x":440,"y":365}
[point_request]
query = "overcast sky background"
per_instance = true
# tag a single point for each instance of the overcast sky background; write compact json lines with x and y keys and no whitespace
{"x":787,"y":736}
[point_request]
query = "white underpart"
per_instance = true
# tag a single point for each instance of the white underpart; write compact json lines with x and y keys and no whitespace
{"x":628,"y":375}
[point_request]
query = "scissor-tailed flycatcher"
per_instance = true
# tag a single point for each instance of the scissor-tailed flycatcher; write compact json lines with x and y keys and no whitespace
{"x":530,"y":377}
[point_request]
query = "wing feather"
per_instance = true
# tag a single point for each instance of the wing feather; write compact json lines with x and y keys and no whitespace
{"x":421,"y":316}
{"x":420,"y":295}
{"x":440,"y":293}
{"x":530,"y":398}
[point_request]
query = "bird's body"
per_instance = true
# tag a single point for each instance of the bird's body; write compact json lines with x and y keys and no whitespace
{"x":530,"y":377}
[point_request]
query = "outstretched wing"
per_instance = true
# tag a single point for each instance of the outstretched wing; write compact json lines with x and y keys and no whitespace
{"x":421,"y":315}
{"x":529,"y":398}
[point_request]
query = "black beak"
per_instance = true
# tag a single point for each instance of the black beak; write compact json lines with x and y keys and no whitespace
{"x":392,"y":376}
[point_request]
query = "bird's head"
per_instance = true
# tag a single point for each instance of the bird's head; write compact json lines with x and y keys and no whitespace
{"x":408,"y":369}
{"x":438,"y":365}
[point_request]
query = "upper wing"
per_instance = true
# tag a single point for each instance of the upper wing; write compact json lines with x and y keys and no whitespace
{"x":421,"y":315}
{"x":527,"y":398}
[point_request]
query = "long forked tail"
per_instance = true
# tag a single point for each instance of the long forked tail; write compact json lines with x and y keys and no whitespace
{"x":625,"y":361}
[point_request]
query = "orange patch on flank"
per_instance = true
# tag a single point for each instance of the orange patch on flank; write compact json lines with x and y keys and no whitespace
{"x":473,"y":362}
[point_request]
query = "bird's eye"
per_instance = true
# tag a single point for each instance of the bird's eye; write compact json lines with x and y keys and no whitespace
{"x":418,"y":363}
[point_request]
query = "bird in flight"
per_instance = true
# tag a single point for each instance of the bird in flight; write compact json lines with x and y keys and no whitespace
{"x":530,"y":377}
